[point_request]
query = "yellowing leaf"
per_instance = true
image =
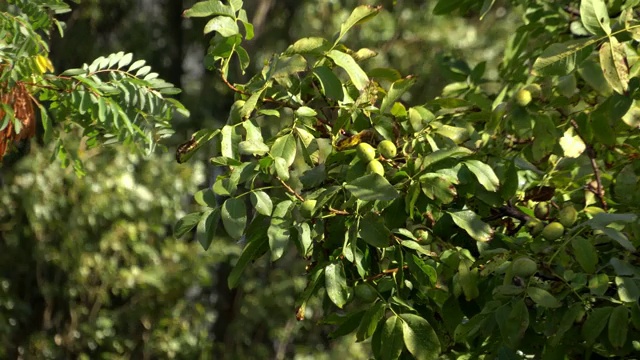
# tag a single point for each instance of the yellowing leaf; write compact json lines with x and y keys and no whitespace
{"x":572,"y":145}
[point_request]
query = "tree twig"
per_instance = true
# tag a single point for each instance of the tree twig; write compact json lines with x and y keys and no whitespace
{"x":290,"y":190}
{"x":591,"y":153}
{"x":385,"y":273}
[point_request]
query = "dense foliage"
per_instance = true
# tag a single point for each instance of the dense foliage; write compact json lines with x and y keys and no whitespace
{"x":496,"y":219}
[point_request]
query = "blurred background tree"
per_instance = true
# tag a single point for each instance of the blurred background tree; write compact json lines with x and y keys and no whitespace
{"x":90,"y":269}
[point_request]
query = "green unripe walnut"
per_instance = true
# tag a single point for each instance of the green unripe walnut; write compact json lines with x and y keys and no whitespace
{"x":365,"y":292}
{"x":568,"y":216}
{"x":387,"y":149}
{"x":553,"y":231}
{"x":523,"y":97}
{"x":365,"y":152}
{"x":534,"y":89}
{"x":422,"y":236}
{"x":375,"y":167}
{"x":535,"y":227}
{"x":524,"y":267}
{"x":541,"y":210}
{"x":307,"y":208}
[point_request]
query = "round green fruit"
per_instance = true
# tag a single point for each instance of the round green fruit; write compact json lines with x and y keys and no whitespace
{"x":524,"y":267}
{"x":423,"y":236}
{"x":387,"y":149}
{"x":553,"y":231}
{"x":365,"y":292}
{"x":534,"y":89}
{"x":366,"y":152}
{"x":307,"y":208}
{"x":523,"y":97}
{"x":535,"y":227}
{"x":568,"y":216}
{"x":542,"y":210}
{"x":375,"y":167}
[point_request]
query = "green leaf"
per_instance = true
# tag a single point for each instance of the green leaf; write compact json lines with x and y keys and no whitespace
{"x":223,"y":25}
{"x":329,"y":83}
{"x":599,"y":284}
{"x":206,"y":197}
{"x":618,"y":326}
{"x":468,"y":279}
{"x":336,"y":284}
{"x":285,"y":147}
{"x":438,"y":187}
{"x":372,"y":187}
{"x":586,"y":253}
{"x":511,"y":182}
{"x":420,"y":338}
{"x":472,"y":224}
{"x":187,"y":223}
{"x":356,"y":74}
{"x":484,"y":173}
{"x":425,"y":274}
{"x":261,"y":202}
{"x":209,"y":8}
{"x":282,"y":170}
{"x":595,"y":17}
{"x":234,"y":217}
{"x":279,"y":231}
{"x":351,"y":322}
{"x":257,"y":244}
{"x":513,"y":321}
{"x":358,"y":16}
{"x":308,"y":45}
{"x":395,"y":92}
{"x":443,"y":154}
{"x":373,"y":231}
{"x":595,"y":323}
{"x":561,"y":59}
{"x":370,"y":321}
{"x":391,"y":339}
{"x":207,"y":227}
{"x":543,"y":298}
{"x":614,"y":65}
{"x":628,"y":289}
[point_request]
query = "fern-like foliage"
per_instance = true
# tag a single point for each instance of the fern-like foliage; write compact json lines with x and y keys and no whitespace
{"x":113,"y":99}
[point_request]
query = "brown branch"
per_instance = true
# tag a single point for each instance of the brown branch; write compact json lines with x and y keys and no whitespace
{"x":385,"y":273}
{"x":290,"y":190}
{"x":338,"y":212}
{"x":591,"y":153}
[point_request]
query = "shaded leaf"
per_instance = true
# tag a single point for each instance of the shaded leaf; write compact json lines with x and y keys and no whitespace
{"x":618,"y":326}
{"x":543,"y":297}
{"x":372,"y":187}
{"x":484,"y":173}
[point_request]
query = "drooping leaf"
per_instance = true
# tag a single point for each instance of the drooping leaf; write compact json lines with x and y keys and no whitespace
{"x":419,"y":337}
{"x":370,"y":321}
{"x":359,"y":15}
{"x":207,"y":227}
{"x":358,"y":77}
{"x":234,"y":217}
{"x":595,"y":17}
{"x":561,"y":59}
{"x":586,"y":253}
{"x":473,"y":225}
{"x":187,"y":223}
{"x":257,"y":244}
{"x":261,"y":202}
{"x":391,"y":339}
{"x":398,"y":88}
{"x":614,"y":65}
{"x":285,"y":147}
{"x":484,"y":173}
{"x":618,"y":326}
{"x":595,"y":323}
{"x":336,"y":284}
